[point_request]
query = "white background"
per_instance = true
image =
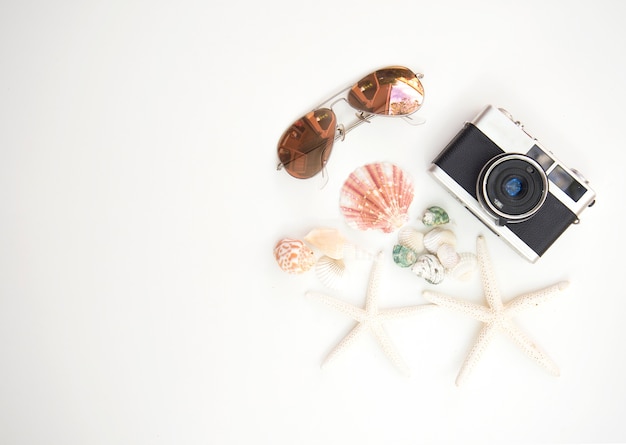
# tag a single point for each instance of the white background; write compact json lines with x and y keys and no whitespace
{"x":139,"y":205}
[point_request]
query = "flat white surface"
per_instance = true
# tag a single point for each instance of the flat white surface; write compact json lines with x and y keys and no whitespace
{"x":139,"y":205}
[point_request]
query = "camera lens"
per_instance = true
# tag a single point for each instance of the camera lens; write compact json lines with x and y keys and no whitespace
{"x":512,"y":187}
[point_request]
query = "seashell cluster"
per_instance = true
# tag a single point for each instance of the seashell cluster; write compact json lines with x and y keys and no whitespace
{"x":376,"y":196}
{"x":432,"y":255}
{"x":296,"y":256}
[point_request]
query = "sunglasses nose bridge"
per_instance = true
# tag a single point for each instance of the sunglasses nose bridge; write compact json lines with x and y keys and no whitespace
{"x":337,"y":97}
{"x":362,"y":118}
{"x":343,"y":129}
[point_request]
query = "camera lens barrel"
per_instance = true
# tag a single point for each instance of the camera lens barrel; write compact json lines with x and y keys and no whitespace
{"x":512,"y":187}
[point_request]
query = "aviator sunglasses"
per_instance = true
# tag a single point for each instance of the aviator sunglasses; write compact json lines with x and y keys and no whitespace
{"x":304,"y":148}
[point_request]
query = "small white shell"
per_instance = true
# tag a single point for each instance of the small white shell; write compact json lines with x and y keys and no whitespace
{"x":438,"y":236}
{"x":465,"y":268}
{"x":448,"y":256}
{"x":330,"y":271}
{"x":412,"y":238}
{"x":429,"y":268}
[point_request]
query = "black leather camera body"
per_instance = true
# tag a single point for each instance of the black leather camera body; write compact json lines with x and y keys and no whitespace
{"x":520,"y":190}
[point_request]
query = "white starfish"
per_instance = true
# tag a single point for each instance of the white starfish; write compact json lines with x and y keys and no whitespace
{"x":497,"y":316}
{"x":370,"y":318}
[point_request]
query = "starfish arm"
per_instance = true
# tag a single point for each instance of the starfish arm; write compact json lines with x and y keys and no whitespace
{"x":535,"y":298}
{"x":530,"y":348}
{"x":401,"y":312}
{"x":484,"y":338}
{"x":343,"y":344}
{"x":356,"y":313}
{"x":473,"y":310}
{"x":373,"y":285}
{"x":389,"y":349}
{"x":487,"y":275}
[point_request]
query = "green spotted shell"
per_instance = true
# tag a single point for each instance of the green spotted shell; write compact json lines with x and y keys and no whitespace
{"x":403,"y":256}
{"x":435,"y":216}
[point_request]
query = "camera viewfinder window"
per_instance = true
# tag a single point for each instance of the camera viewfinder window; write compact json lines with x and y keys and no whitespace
{"x":541,"y":157}
{"x":565,"y":182}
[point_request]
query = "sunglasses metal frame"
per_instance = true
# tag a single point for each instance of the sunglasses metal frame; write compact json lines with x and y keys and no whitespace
{"x":341,"y":130}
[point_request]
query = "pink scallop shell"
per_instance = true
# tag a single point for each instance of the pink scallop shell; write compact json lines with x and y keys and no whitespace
{"x":377,"y":196}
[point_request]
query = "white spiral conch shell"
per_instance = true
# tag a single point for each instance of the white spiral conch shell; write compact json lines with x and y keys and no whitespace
{"x":333,"y":244}
{"x":465,"y":268}
{"x":328,"y":240}
{"x":429,"y":268}
{"x":447,"y":255}
{"x":438,"y":236}
{"x":354,"y":252}
{"x":330,"y":271}
{"x":412,"y":238}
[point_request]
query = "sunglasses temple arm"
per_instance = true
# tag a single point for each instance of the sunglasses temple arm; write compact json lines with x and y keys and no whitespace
{"x":415,"y":121}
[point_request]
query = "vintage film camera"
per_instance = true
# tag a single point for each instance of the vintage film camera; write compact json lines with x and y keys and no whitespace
{"x":520,"y":190}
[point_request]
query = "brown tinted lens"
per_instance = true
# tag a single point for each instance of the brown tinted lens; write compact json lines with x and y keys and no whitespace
{"x":391,"y":91}
{"x":306,"y":145}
